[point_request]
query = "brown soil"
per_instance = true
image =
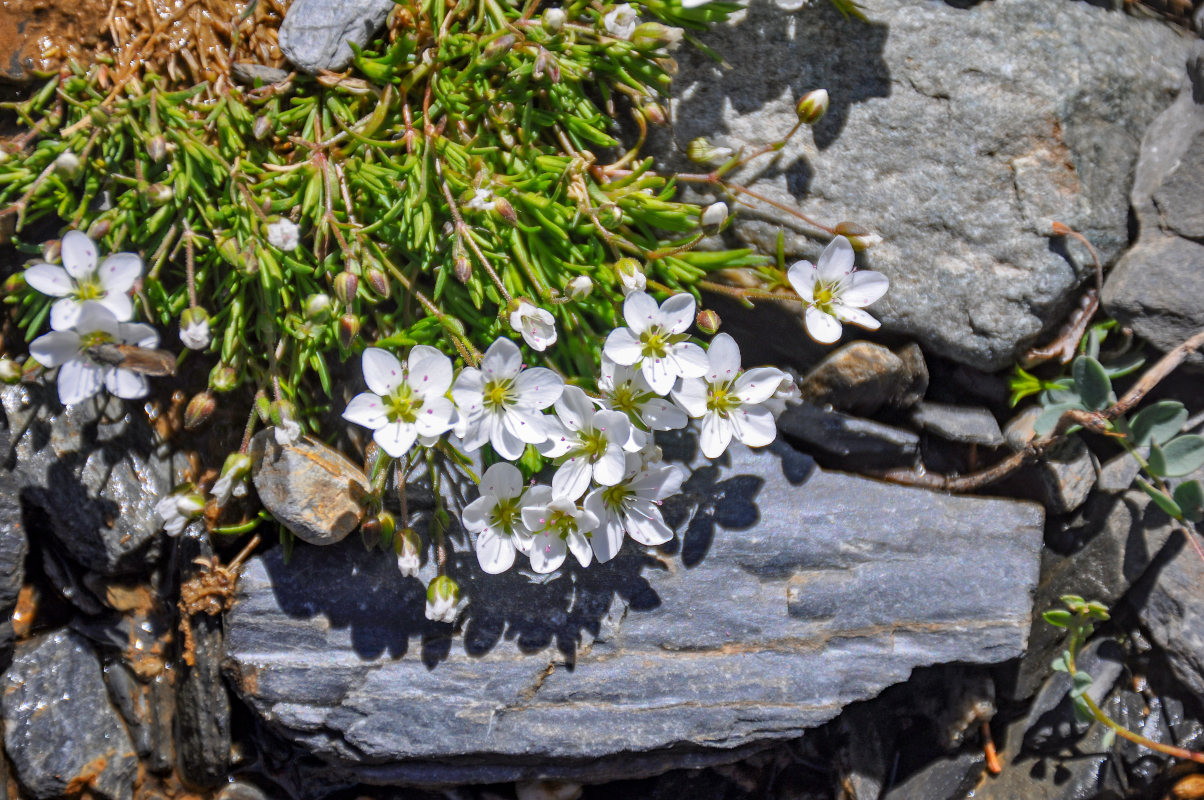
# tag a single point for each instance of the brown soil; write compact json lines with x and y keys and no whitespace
{"x":37,"y":34}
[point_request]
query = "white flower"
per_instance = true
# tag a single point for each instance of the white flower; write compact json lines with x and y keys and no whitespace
{"x":655,"y":340}
{"x":729,"y":402}
{"x":408,"y":547}
{"x":835,"y":292}
{"x":632,"y":506}
{"x":195,"y":334}
{"x":501,"y":403}
{"x":713,"y":215}
{"x":284,"y":234}
{"x":235,"y":470}
{"x":406,"y":399}
{"x":496,"y":518}
{"x":693,"y":3}
{"x":78,"y":280}
{"x":625,"y":389}
{"x":620,"y":22}
{"x":80,"y":374}
{"x":631,"y":277}
{"x":442,"y":600}
{"x":177,"y":509}
{"x":558,"y":525}
{"x":482,"y":200}
{"x":787,"y":392}
{"x":593,"y":441}
{"x":535,"y":324}
{"x":287,"y":432}
{"x":579,"y":288}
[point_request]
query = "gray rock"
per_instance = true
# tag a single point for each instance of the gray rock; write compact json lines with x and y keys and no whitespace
{"x":944,"y":779}
{"x":95,"y":470}
{"x":855,"y":442}
{"x":790,"y":593}
{"x":257,"y":74}
{"x":1173,"y":612}
{"x":1051,"y":722}
{"x":959,"y":423}
{"x":311,"y":489}
{"x":917,"y":369}
{"x":1067,"y":472}
{"x":859,"y":377}
{"x":13,"y":548}
{"x":318,"y":34}
{"x":955,"y":133}
{"x":60,"y":731}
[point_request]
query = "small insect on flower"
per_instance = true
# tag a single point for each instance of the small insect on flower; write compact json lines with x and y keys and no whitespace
{"x":835,"y":291}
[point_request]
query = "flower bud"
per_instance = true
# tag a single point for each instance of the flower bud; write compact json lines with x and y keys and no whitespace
{"x":156,"y":148}
{"x":546,"y":63}
{"x":553,"y":20}
{"x":159,"y":194}
{"x":199,"y":409}
{"x":707,"y":321}
{"x":378,"y":282}
{"x":504,"y":210}
{"x":713,"y":216}
{"x":610,"y":215}
{"x":261,"y":128}
{"x":700,"y":151}
{"x":236,"y":466}
{"x":579,"y":288}
{"x":650,"y":34}
{"x":349,"y":328}
{"x":654,"y":113}
{"x":812,"y":107}
{"x":463,"y":268}
{"x":67,"y":164}
{"x":631,"y":276}
{"x":99,"y":228}
{"x":223,"y":378}
{"x":346,"y":284}
{"x":10,"y":371}
{"x":858,"y":237}
{"x":442,"y":599}
{"x":317,"y":306}
{"x":14,"y":283}
{"x":194,"y":328}
{"x":499,"y":46}
{"x":408,"y":547}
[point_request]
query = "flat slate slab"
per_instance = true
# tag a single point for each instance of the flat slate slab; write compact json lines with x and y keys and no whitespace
{"x":788,"y":593}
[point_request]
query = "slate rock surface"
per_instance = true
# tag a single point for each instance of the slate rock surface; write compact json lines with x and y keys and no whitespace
{"x":94,"y":469}
{"x":789,"y":593}
{"x":956,"y":132}
{"x":14,"y":546}
{"x":60,"y":730}
{"x":317,"y":34}
{"x":1173,"y":612}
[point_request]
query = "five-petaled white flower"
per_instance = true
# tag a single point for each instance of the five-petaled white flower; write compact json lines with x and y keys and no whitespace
{"x":79,"y":280}
{"x":632,"y":506}
{"x":406,"y":398}
{"x":655,"y":340}
{"x":620,"y":22}
{"x":284,"y":234}
{"x":835,"y":291}
{"x":177,"y":509}
{"x":624,"y":389}
{"x":496,"y":518}
{"x":537,"y":325}
{"x":593,"y":440}
{"x":558,"y":525}
{"x":729,"y":402}
{"x":501,"y":403}
{"x":80,"y":374}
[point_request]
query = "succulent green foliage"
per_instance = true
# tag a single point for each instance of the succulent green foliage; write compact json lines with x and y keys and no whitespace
{"x":472,"y":156}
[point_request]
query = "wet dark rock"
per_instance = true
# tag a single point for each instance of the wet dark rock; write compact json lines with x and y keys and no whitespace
{"x":850,"y":441}
{"x":781,"y":570}
{"x":959,"y":423}
{"x":318,"y":34}
{"x":1066,"y":473}
{"x":949,"y":778}
{"x":1052,"y":723}
{"x":60,"y":730}
{"x":860,"y":378}
{"x":146,"y":707}
{"x":917,"y":371}
{"x":1171,"y":606}
{"x":13,"y":548}
{"x":94,"y":469}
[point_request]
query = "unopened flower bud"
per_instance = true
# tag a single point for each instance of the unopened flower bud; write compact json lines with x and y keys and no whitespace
{"x":504,"y":210}
{"x":812,"y":107}
{"x":499,"y":46}
{"x":349,"y":328}
{"x":317,"y":306}
{"x":194,"y":328}
{"x":654,"y":113}
{"x":713,"y":216}
{"x":159,"y":194}
{"x":10,"y":371}
{"x":408,"y":547}
{"x":378,"y":282}
{"x":236,"y":466}
{"x":553,"y":20}
{"x":858,"y":237}
{"x":67,"y":164}
{"x":463,"y":268}
{"x":610,"y":215}
{"x":707,"y":321}
{"x":650,"y":34}
{"x":262,"y":127}
{"x":546,"y":63}
{"x":223,"y":378}
{"x":579,"y":288}
{"x":99,"y":228}
{"x":386,"y":526}
{"x":442,"y":599}
{"x":700,"y":151}
{"x":346,"y":284}
{"x":199,"y":409}
{"x":631,"y":276}
{"x":156,"y":148}
{"x":14,"y":283}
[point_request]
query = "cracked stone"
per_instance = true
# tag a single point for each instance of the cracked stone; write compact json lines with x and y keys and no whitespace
{"x":318,"y":34}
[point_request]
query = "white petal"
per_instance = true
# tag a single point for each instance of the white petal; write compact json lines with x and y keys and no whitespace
{"x":823,"y":328}
{"x":560,"y":440}
{"x":691,"y":395}
{"x":609,"y":468}
{"x":715,"y":435}
{"x":95,"y":318}
{"x":64,"y":314}
{"x":615,"y":424}
{"x":138,"y":333}
{"x":753,"y":425}
{"x":502,"y":360}
{"x":547,"y":553}
{"x":650,"y":530}
{"x":659,"y":375}
{"x":572,"y":479}
{"x":468,"y":391}
{"x":395,"y":438}
{"x":538,"y":388}
{"x":118,"y":272}
{"x":608,"y":374}
{"x":836,"y":261}
{"x":79,"y":255}
{"x":758,"y":385}
{"x":119,"y":303}
{"x":57,"y":347}
{"x":366,"y":409}
{"x":126,"y":384}
{"x":657,"y":484}
{"x":435,"y":416}
{"x":661,"y":415}
{"x":78,"y":380}
{"x":49,"y":279}
{"x":525,"y":426}
{"x":502,"y":480}
{"x":607,"y":539}
{"x":677,"y":313}
{"x":382,"y":370}
{"x":862,"y":288}
{"x":641,"y":312}
{"x":802,"y":276}
{"x":430,"y":372}
{"x":855,"y":316}
{"x":504,"y":442}
{"x":688,"y":360}
{"x":579,"y":545}
{"x":623,"y":346}
{"x":574,"y":408}
{"x":724,"y":359}
{"x":495,"y":552}
{"x":475,"y":516}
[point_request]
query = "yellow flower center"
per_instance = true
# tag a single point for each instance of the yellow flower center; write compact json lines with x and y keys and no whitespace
{"x":402,"y":405}
{"x":496,"y":394}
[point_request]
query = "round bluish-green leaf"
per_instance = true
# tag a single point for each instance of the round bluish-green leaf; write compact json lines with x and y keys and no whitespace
{"x":1058,"y":616}
{"x":1189,"y":495}
{"x":1181,"y":456}
{"x":1091,"y":381}
{"x":1158,"y":423}
{"x":1048,"y":419}
{"x":1161,"y":499}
